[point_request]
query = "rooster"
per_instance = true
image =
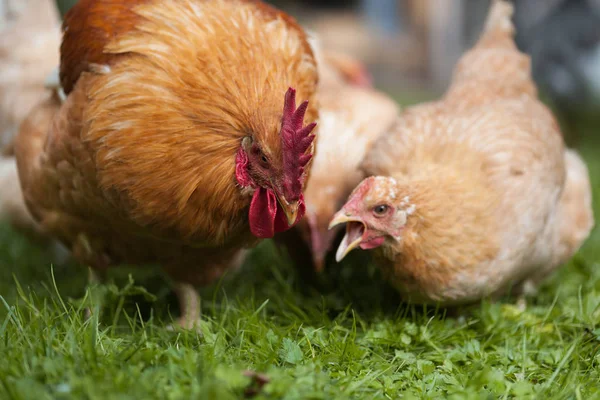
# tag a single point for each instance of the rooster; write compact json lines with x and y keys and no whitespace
{"x":179,"y":141}
{"x":473,"y":194}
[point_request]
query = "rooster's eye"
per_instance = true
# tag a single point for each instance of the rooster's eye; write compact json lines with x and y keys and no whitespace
{"x":380,"y":210}
{"x":264,"y":159}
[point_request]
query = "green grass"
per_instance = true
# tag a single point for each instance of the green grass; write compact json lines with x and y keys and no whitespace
{"x":353,"y":341}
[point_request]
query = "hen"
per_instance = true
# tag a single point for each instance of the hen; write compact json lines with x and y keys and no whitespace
{"x":475,"y":193}
{"x":179,"y":142}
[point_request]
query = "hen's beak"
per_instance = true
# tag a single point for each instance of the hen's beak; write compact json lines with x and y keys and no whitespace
{"x":289,"y":209}
{"x":355,"y":229}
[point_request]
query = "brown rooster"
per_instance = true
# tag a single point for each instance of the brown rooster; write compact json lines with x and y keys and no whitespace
{"x":179,"y":142}
{"x":476,"y":193}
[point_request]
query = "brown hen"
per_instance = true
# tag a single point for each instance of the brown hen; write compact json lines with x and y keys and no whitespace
{"x":475,"y":193}
{"x":179,"y":142}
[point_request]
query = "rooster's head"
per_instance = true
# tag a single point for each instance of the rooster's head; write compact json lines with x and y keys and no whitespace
{"x":277,"y":177}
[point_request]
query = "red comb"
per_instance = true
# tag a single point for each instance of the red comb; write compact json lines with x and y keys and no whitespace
{"x":295,"y":141}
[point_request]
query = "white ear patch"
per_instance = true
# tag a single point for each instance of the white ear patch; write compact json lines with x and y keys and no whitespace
{"x":402,"y":217}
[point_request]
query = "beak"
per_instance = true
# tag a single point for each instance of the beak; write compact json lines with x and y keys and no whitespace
{"x":355,"y":230}
{"x":289,"y":209}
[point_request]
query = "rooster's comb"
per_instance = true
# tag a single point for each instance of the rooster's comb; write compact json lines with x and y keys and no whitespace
{"x":295,"y":141}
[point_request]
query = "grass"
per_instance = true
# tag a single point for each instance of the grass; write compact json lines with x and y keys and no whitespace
{"x":353,"y":341}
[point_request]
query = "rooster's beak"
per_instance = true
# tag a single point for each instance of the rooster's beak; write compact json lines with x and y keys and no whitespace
{"x":289,"y":209}
{"x":355,"y":230}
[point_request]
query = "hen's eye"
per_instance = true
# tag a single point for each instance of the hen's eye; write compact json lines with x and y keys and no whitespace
{"x":380,"y":210}
{"x":264,"y":159}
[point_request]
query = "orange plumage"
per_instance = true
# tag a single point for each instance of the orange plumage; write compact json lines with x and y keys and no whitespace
{"x":172,"y":145}
{"x":475,"y":193}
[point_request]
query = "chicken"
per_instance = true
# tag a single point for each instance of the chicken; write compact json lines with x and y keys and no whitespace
{"x":28,"y":54}
{"x":179,"y":142}
{"x":473,"y":194}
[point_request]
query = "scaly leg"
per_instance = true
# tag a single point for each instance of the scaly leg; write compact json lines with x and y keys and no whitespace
{"x":527,"y":289}
{"x":189,"y":305}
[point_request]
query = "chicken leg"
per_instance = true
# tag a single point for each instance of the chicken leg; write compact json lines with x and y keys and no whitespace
{"x":189,"y":305}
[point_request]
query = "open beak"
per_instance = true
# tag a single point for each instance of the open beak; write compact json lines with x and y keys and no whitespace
{"x":355,"y":229}
{"x":289,"y":209}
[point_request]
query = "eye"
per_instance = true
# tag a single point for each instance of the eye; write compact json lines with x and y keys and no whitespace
{"x":380,"y":210}
{"x":264,"y":161}
{"x":261,"y":157}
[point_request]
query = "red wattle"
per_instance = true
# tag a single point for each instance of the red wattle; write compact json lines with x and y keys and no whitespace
{"x":373,"y":243}
{"x":263,"y":210}
{"x":266,"y":217}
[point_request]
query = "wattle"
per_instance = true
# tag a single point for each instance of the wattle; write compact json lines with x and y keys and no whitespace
{"x":373,"y":243}
{"x":266,"y":217}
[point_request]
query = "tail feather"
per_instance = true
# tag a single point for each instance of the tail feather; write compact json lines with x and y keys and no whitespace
{"x":494,"y":68}
{"x":499,"y":30}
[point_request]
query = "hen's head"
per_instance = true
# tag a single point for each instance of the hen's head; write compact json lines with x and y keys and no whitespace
{"x":277,"y":178}
{"x":375,"y":212}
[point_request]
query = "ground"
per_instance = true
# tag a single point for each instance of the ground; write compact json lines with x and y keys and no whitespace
{"x":353,"y":340}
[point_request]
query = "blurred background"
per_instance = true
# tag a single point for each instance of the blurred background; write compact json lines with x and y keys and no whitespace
{"x":411,"y":46}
